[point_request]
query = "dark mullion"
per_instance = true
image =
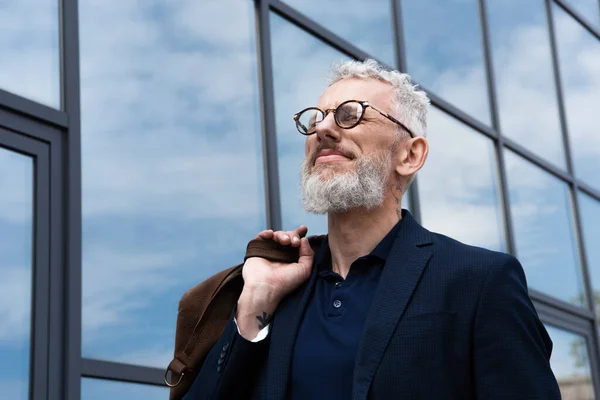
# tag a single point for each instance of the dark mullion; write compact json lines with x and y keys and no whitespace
{"x":580,"y":18}
{"x":587,"y":189}
{"x":537,"y":160}
{"x":72,"y":201}
{"x":297,"y":18}
{"x":399,"y":38}
{"x":122,"y":372}
{"x":461,"y":115}
{"x":561,"y":305}
{"x":267,"y":97}
{"x":30,"y":108}
{"x":401,"y":61}
{"x":550,"y":315}
{"x":558,"y":85}
{"x":570,"y":166}
{"x":41,"y":257}
{"x":499,"y":143}
{"x":57,"y":326}
{"x":487,"y":56}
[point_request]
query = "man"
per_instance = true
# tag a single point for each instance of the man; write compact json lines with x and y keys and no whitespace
{"x":385,"y":309}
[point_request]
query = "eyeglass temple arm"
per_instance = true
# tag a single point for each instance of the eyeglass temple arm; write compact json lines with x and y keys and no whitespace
{"x":388,"y":116}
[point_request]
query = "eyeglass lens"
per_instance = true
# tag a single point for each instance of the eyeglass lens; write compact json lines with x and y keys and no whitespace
{"x":347,"y":115}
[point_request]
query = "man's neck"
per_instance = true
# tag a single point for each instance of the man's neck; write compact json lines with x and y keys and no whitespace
{"x":356,"y":233}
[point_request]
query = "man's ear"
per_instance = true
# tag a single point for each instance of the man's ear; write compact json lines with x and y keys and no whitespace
{"x":410,"y":156}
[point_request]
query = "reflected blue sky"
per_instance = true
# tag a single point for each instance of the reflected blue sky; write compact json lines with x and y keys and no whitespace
{"x":579,"y":56}
{"x":99,"y":389}
{"x":16,"y":223}
{"x":459,"y":183}
{"x":589,"y":9}
{"x":570,"y":364}
{"x":590,"y":227}
{"x":172,"y":166}
{"x":30,"y":61}
{"x":366,"y":25}
{"x":444,"y":51}
{"x":524,"y":76}
{"x":543,"y":228}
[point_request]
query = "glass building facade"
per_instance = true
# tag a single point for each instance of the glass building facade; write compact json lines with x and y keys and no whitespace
{"x":143,"y":143}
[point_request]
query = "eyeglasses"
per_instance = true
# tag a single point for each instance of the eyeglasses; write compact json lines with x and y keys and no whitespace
{"x":347,"y":115}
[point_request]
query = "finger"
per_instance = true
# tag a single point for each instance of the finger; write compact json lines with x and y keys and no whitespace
{"x":279,"y":237}
{"x":266,"y":234}
{"x":301,"y":231}
{"x":286,"y":237}
{"x":306,"y":254}
{"x":298,"y":234}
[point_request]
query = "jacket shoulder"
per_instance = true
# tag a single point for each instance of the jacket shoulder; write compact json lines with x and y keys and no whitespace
{"x":472,"y":259}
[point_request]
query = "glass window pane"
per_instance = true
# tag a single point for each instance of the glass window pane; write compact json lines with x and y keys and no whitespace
{"x":543,"y":228}
{"x":16,"y":225}
{"x":579,"y":59}
{"x":172,"y":164}
{"x":454,"y":188}
{"x":590,"y":226}
{"x":571,"y":365}
{"x":524,"y":77}
{"x":30,"y":61}
{"x":298,"y":82}
{"x":588,"y":9}
{"x":100,"y":389}
{"x":367,"y":25}
{"x":444,"y":52}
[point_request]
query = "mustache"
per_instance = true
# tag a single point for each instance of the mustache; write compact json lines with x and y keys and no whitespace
{"x":345,"y":152}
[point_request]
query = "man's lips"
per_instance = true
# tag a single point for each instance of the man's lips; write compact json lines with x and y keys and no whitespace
{"x":327,"y":155}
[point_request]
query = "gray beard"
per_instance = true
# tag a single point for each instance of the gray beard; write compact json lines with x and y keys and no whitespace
{"x":364,"y":187}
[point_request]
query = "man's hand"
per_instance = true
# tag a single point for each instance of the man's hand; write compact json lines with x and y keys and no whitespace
{"x":266,"y":283}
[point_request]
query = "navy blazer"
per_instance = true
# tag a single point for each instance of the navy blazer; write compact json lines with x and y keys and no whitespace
{"x":448,"y":321}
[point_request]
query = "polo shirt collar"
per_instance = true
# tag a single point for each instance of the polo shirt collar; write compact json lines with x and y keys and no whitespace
{"x":381,"y":251}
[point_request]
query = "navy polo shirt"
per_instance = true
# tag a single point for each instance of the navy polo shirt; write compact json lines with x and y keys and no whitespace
{"x":332,"y":325}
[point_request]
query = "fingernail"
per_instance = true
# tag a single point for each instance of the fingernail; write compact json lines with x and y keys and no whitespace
{"x":295,"y":239}
{"x":286,"y":237}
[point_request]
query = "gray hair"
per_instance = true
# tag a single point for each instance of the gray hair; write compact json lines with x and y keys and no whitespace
{"x":411,"y":104}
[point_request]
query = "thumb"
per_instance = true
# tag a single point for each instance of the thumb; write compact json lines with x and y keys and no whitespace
{"x":306,"y":254}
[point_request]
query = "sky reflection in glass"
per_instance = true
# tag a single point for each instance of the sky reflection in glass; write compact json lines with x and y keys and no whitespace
{"x":544,"y":231}
{"x":172,"y":164}
{"x":570,"y":364}
{"x":524,"y":76}
{"x":454,"y":188}
{"x":16,"y":231}
{"x":579,"y":63}
{"x":444,"y":52}
{"x":365,"y":24}
{"x":29,"y":48}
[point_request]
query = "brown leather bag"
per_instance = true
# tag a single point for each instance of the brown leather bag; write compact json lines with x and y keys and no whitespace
{"x":205,"y":309}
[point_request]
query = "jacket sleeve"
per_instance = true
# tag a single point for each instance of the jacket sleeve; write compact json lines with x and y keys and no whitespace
{"x":511,"y":345}
{"x":230,"y":368}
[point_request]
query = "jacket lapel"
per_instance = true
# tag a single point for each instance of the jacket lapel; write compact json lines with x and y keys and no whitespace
{"x":285,"y":329}
{"x":407,"y":261}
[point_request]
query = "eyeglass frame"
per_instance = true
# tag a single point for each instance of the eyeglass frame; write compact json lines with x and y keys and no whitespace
{"x":364,"y":104}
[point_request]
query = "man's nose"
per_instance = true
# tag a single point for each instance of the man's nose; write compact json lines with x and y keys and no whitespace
{"x":328,"y":129}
